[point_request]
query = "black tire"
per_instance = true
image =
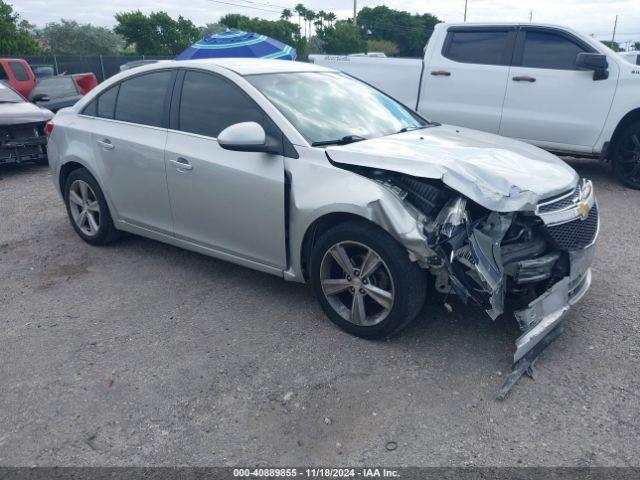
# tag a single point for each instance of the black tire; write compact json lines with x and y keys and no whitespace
{"x":408,"y":279}
{"x":626,"y":156}
{"x":106,"y":233}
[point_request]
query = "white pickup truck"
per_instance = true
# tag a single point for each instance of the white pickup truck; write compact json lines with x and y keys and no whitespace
{"x":546,"y":85}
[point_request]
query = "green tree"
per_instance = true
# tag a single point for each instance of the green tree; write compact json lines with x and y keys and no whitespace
{"x":636,"y":45}
{"x":615,"y":46}
{"x":331,"y":17}
{"x":309,"y":17}
{"x":156,"y":33}
{"x":300,"y":10}
{"x":410,"y":32}
{"x":343,"y":39}
{"x":286,"y":14}
{"x":15,"y":38}
{"x":390,"y":49}
{"x":70,"y":38}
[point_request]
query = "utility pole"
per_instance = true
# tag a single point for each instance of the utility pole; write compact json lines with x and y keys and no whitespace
{"x":354,"y":13}
{"x":615,"y":25}
{"x":465,"y":10}
{"x":530,"y":16}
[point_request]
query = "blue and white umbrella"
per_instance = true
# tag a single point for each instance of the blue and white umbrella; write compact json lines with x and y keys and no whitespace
{"x":236,"y":43}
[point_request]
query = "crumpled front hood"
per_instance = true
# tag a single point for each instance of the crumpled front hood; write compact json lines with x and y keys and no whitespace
{"x":17,"y":113}
{"x":498,"y":173}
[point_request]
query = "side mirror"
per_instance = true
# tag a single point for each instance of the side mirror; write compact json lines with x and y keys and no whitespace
{"x":41,"y":97}
{"x":594,"y":61}
{"x":247,"y":137}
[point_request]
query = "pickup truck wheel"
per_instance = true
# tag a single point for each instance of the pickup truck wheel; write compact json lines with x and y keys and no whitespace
{"x":626,"y":159}
{"x":87,"y":209}
{"x":364,"y":280}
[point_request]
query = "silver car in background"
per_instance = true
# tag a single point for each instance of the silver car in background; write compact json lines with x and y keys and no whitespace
{"x":308,"y":174}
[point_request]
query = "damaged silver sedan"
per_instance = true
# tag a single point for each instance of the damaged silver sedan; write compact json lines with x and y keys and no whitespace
{"x":306,"y":173}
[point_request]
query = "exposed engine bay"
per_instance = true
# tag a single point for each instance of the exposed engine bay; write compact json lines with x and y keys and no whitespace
{"x":534,"y":263}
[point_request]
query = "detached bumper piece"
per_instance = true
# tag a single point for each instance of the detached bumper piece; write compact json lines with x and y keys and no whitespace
{"x":22,"y":143}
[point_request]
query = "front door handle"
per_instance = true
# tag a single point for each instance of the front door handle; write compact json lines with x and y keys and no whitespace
{"x":181,"y":164}
{"x":440,"y":73}
{"x":106,"y":144}
{"x":524,"y":78}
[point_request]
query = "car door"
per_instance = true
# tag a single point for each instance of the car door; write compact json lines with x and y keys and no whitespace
{"x":129,"y":137}
{"x":231,"y":202}
{"x":464,"y":83}
{"x":549,"y":101}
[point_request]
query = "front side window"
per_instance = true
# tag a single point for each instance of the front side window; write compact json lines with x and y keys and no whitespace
{"x":549,"y":50}
{"x":3,"y":73}
{"x":480,"y":47}
{"x":327,"y":107}
{"x":141,"y":99}
{"x":209,"y":104}
{"x":19,"y":71}
{"x":56,"y":87}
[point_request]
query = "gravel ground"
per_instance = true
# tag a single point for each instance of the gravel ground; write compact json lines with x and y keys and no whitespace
{"x":144,"y":354}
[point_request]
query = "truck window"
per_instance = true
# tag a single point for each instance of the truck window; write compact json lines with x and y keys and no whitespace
{"x":19,"y":71}
{"x":56,"y":87}
{"x":484,"y":47}
{"x":3,"y":73}
{"x":550,"y":50}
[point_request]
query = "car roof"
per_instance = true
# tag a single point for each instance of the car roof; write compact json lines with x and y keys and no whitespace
{"x":241,"y":66}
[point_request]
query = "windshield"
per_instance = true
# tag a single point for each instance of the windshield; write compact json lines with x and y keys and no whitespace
{"x":9,"y":96}
{"x":328,"y":108}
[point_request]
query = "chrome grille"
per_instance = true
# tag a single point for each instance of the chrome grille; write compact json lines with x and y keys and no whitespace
{"x":576,"y":234}
{"x":560,"y":203}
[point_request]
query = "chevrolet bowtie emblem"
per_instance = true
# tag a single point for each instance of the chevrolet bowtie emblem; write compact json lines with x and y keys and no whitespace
{"x":583,"y":210}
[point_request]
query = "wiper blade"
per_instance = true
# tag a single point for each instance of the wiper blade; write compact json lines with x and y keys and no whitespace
{"x":408,"y":129}
{"x":9,"y":101}
{"x":342,"y":141}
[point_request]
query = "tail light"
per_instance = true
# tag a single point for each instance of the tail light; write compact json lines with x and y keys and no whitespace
{"x":48,"y":129}
{"x":85,"y":82}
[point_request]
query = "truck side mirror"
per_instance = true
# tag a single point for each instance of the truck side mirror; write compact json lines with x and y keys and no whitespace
{"x":594,"y":61}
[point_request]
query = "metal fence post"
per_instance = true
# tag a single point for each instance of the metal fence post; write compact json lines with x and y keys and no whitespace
{"x":55,"y":64}
{"x":104,"y":77}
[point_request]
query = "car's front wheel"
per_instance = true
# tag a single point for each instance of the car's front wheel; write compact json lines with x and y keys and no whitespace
{"x":364,"y":280}
{"x":87,"y":208}
{"x":626,"y":161}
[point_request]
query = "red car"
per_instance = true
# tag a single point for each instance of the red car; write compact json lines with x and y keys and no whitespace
{"x":17,"y":73}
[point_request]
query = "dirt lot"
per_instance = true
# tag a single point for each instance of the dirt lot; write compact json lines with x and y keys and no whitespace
{"x":141,"y":353}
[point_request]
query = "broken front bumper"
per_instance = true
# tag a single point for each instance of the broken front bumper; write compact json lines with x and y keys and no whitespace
{"x":21,"y":143}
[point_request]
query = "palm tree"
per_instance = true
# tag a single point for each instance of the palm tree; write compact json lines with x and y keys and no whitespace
{"x":300,"y":10}
{"x":322,"y":16}
{"x":331,"y":17}
{"x":309,"y":16}
{"x":286,"y":14}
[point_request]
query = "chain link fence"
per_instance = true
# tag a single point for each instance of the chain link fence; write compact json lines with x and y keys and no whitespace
{"x":103,"y":66}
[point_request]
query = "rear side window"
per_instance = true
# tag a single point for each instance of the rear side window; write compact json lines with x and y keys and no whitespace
{"x":56,"y":87}
{"x":209,"y":104}
{"x":141,"y":99}
{"x":549,"y":50}
{"x":107,"y":103}
{"x":481,"y":47}
{"x":19,"y":71}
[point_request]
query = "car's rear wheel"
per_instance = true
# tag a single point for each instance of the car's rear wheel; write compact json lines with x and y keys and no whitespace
{"x":364,"y":280}
{"x":87,"y":209}
{"x":626,"y":158}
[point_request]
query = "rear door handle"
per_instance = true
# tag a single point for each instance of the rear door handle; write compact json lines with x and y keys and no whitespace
{"x":524,"y":78}
{"x":181,"y":164}
{"x":440,"y":73}
{"x":106,"y":144}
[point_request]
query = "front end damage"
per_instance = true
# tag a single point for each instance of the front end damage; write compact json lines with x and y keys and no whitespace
{"x":22,"y":142}
{"x":534,"y":263}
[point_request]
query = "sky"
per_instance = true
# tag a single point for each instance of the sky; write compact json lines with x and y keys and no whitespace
{"x":587,"y":16}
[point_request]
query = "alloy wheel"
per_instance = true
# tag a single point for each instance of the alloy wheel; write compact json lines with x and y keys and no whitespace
{"x":357,"y":283}
{"x":84,"y":206}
